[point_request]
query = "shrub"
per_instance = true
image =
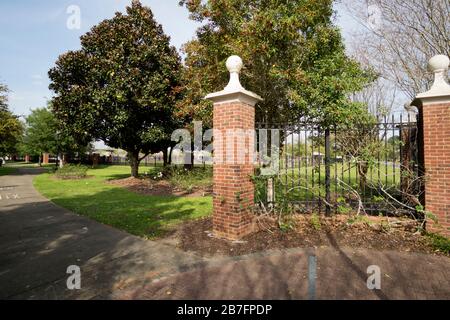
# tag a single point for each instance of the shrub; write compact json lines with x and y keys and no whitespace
{"x":198,"y":177}
{"x":439,"y":242}
{"x":315,"y":221}
{"x":72,"y":172}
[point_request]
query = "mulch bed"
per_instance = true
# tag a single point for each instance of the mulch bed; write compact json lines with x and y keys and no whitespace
{"x":196,"y":236}
{"x":147,"y":186}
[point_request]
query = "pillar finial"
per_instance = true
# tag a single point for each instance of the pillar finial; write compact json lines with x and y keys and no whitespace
{"x":439,"y":66}
{"x":234,"y":65}
{"x":234,"y":90}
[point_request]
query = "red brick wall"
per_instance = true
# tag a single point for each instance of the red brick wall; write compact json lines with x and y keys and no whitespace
{"x":436,"y":143}
{"x":46,"y":158}
{"x":233,"y":188}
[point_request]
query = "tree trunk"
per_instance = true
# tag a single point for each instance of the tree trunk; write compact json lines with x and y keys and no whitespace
{"x":40,"y":160}
{"x":190,"y":166}
{"x":362,"y":171}
{"x":134,"y":163}
{"x":405,"y":160}
{"x":165,"y":157}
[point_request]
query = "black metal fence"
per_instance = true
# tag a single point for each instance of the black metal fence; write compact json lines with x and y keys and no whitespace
{"x":155,"y":160}
{"x":371,"y":166}
{"x":149,"y":161}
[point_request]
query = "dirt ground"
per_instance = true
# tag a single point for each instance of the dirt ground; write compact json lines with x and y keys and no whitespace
{"x":369,"y":232}
{"x":158,"y":188}
{"x":197,"y":236}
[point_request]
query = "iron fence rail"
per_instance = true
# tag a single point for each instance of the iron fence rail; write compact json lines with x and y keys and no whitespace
{"x":371,"y":166}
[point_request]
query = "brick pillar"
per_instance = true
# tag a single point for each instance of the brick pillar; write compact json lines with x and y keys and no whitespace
{"x":27,"y":158}
{"x":45,"y":158}
{"x":95,"y":159}
{"x":434,"y":118}
{"x":234,"y":125}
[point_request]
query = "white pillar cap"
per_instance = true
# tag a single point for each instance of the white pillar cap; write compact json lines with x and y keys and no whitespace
{"x":234,"y":92}
{"x":439,"y":66}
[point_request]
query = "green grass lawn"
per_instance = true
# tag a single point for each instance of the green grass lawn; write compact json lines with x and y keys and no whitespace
{"x":6,"y":170}
{"x":308,"y":183}
{"x":29,"y":165}
{"x":141,"y":215}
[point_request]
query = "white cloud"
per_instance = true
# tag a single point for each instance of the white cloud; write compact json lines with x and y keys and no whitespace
{"x":22,"y":101}
{"x":15,"y":97}
{"x":37,"y":80}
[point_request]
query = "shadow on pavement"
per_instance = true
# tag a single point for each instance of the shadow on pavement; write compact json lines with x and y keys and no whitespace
{"x":39,"y":240}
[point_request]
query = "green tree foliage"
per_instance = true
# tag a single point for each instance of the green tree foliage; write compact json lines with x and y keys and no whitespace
{"x":11,"y":129}
{"x":44,"y":133}
{"x":122,"y":86}
{"x":40,"y":133}
{"x":3,"y":97}
{"x":293,"y":54}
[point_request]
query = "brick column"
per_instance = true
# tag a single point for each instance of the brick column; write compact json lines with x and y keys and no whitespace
{"x":434,"y":118}
{"x":95,"y":159}
{"x":27,"y":158}
{"x":46,"y":158}
{"x":234,"y":125}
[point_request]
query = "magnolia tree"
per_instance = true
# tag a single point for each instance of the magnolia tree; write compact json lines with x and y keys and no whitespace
{"x":121,"y":86}
{"x":294,"y":58}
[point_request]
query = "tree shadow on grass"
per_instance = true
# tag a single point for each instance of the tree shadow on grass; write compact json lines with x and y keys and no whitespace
{"x":29,"y":171}
{"x":118,"y":176}
{"x":140,"y":215}
{"x":40,"y":240}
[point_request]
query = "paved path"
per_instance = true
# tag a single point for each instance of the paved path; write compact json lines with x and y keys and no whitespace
{"x":289,"y":274}
{"x":39,"y":240}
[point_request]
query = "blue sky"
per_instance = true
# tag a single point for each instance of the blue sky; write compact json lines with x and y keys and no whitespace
{"x":34,"y":33}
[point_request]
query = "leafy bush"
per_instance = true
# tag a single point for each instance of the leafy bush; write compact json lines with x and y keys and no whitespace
{"x":198,"y":177}
{"x":190,"y":179}
{"x":359,"y":219}
{"x":315,"y":221}
{"x":439,"y":242}
{"x":71,"y":171}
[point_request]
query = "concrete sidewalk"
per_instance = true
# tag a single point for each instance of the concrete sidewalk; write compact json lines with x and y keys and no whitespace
{"x":39,"y":240}
{"x":289,"y":274}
